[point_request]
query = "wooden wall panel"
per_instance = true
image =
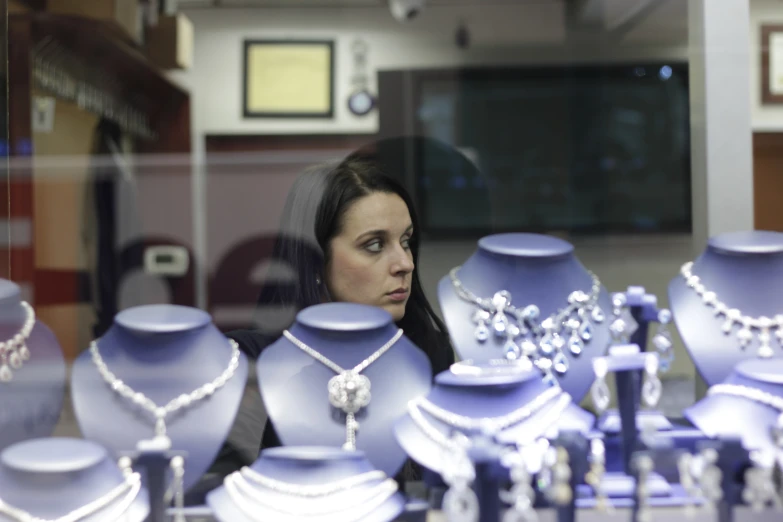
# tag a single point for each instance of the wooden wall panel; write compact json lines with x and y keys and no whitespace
{"x":768,"y":180}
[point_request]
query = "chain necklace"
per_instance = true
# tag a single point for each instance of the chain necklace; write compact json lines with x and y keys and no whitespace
{"x":14,"y":351}
{"x":248,"y":499}
{"x":130,"y":487}
{"x":521,"y":333}
{"x":754,"y":394}
{"x":161,"y":439}
{"x":750,"y":327}
{"x":489,"y":425}
{"x":311,"y":490}
{"x":348,"y":390}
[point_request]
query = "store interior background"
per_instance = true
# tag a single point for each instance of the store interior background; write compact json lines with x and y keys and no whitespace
{"x":213,"y":200}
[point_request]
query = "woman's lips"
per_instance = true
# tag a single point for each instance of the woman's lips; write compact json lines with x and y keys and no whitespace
{"x":401,"y":294}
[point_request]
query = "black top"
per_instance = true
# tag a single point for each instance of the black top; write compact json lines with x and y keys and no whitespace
{"x":243,"y":443}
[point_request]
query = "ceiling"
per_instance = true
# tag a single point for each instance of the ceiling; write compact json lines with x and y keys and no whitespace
{"x":343,"y":3}
{"x":657,"y":20}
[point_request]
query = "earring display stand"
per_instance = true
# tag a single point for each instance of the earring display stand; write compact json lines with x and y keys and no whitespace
{"x":644,"y":309}
{"x":577,"y":447}
{"x":626,"y":361}
{"x":153,"y":465}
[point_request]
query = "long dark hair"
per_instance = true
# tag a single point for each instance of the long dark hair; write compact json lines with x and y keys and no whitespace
{"x":313,"y":215}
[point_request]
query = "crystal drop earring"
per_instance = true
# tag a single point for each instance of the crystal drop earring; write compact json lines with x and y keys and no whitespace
{"x":599,"y":391}
{"x":178,"y":467}
{"x":662,"y":340}
{"x":644,"y":466}
{"x":460,"y":503}
{"x":595,"y":474}
{"x":521,"y":496}
{"x":759,"y":488}
{"x":623,"y":324}
{"x":177,"y":491}
{"x":559,"y":491}
{"x":710,"y":479}
{"x":652,"y":387}
{"x":686,"y":481}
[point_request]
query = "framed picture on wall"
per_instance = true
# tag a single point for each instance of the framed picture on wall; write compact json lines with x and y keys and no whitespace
{"x":772,"y":64}
{"x":288,"y":79}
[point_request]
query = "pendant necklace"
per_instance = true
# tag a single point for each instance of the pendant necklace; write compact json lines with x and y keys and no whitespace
{"x":14,"y":351}
{"x":127,"y":491}
{"x":750,"y":327}
{"x":161,"y":439}
{"x":522,"y":334}
{"x":348,"y":390}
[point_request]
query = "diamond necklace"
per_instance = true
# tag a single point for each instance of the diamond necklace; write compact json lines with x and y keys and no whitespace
{"x":759,"y":396}
{"x":248,"y":500}
{"x":130,"y":487}
{"x":14,"y":351}
{"x":348,"y":390}
{"x":161,"y":439}
{"x":311,"y":490}
{"x":750,"y":327}
{"x":521,"y":333}
{"x":489,"y":425}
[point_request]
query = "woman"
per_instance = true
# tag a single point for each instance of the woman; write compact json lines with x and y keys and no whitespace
{"x":349,"y":232}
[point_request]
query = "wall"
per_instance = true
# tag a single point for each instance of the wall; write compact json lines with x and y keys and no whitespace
{"x":520,"y":33}
{"x":765,"y":117}
{"x":501,"y":33}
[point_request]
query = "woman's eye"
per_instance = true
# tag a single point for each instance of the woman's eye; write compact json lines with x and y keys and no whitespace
{"x":374,"y":246}
{"x":406,"y":243}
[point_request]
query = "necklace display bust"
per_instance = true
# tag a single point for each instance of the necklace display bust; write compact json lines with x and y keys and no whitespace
{"x":50,"y":478}
{"x":719,"y":415}
{"x":536,"y":270}
{"x":493,"y":396}
{"x":294,"y":384}
{"x":31,"y":401}
{"x":162,"y":351}
{"x":309,"y":467}
{"x":743,"y":270}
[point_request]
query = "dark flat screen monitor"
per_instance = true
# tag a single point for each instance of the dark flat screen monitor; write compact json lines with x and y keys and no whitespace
{"x":578,"y":149}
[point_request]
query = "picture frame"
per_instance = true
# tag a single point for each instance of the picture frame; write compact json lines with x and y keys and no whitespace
{"x":288,"y":79}
{"x":771,"y":64}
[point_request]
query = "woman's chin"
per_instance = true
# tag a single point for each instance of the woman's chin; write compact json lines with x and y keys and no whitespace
{"x":396,"y":310}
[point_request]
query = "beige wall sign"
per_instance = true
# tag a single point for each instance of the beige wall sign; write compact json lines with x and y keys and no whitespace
{"x":288,"y":79}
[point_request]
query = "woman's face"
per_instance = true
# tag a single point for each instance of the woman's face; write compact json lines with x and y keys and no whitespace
{"x":370,"y":259}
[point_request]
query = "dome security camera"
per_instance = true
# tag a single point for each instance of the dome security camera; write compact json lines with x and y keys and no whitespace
{"x":406,"y":10}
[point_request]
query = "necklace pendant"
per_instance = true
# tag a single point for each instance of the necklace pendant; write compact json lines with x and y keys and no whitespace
{"x":745,"y":336}
{"x":349,"y":391}
{"x":560,"y":363}
{"x":575,"y":344}
{"x":351,"y":427}
{"x":24,"y":352}
{"x":15,"y":360}
{"x":482,"y":333}
{"x":500,"y":324}
{"x":586,"y":331}
{"x":512,"y":350}
{"x":5,"y":373}
{"x":160,"y":426}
